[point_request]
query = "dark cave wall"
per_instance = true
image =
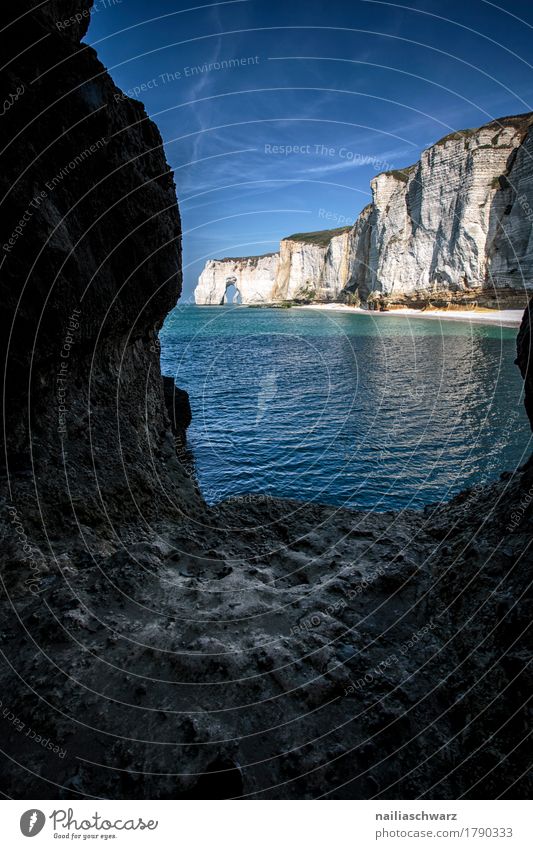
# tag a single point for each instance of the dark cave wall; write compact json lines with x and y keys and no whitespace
{"x":524,"y":350}
{"x":90,"y":242}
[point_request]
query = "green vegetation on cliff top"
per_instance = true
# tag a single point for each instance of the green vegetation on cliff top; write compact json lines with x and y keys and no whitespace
{"x":319,"y":237}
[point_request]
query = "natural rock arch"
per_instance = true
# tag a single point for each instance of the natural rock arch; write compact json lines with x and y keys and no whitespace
{"x":232,"y":295}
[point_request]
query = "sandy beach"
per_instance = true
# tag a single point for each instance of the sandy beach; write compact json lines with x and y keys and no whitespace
{"x":504,"y":317}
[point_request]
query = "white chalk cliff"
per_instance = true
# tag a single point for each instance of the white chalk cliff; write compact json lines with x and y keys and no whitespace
{"x":309,"y":266}
{"x":254,"y":277}
{"x":456,"y":227}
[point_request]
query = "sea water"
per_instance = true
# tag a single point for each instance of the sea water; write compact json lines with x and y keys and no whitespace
{"x":348,"y":409}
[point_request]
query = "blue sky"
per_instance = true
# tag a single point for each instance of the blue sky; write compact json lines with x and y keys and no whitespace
{"x":310,"y":101}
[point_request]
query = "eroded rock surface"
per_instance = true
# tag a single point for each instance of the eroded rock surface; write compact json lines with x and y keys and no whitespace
{"x":91,"y":265}
{"x":524,"y":352}
{"x":290,"y":650}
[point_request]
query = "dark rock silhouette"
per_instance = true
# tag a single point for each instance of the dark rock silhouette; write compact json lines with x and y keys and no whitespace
{"x":179,"y":408}
{"x":91,"y":266}
{"x":524,"y":352}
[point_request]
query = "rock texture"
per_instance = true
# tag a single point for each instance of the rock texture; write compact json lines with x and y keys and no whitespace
{"x":452,"y":228}
{"x":178,"y":407}
{"x":253,"y":277}
{"x":455,"y":228}
{"x":524,"y":358}
{"x":277,"y":650}
{"x":91,"y":264}
{"x":152,"y":647}
{"x":313,"y":267}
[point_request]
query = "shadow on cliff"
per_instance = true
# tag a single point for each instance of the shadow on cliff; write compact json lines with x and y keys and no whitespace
{"x":509,"y":264}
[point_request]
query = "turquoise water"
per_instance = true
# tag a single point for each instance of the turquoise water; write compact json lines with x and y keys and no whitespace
{"x":367,"y":411}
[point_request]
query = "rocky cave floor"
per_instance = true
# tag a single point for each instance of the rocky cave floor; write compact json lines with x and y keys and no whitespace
{"x":274,"y":649}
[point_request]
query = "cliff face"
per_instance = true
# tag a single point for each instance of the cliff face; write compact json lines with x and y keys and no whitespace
{"x":312,"y":270}
{"x":451,"y":228}
{"x":91,"y":264}
{"x":309,"y":266}
{"x":511,"y":253}
{"x":253,"y":277}
{"x":457,"y":227}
